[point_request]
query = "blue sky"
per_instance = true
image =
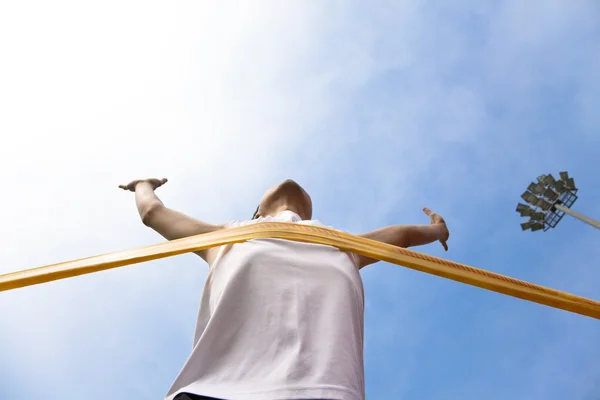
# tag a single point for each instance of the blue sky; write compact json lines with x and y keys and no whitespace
{"x":377,"y":110}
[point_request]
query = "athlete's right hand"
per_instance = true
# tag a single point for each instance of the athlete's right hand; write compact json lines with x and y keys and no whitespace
{"x":155,"y":183}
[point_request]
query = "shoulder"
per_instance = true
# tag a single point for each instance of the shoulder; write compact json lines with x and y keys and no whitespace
{"x":239,"y":222}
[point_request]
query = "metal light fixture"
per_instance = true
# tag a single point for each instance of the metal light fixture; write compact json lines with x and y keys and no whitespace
{"x":549,"y":200}
{"x":550,"y":194}
{"x":560,"y":186}
{"x":549,"y":180}
{"x":563,"y":175}
{"x":536,"y":188}
{"x":544,"y":204}
{"x":538,"y":216}
{"x":524,"y":210}
{"x":526,"y":225}
{"x":541,"y":178}
{"x":539,"y":188}
{"x":530,"y":198}
{"x":536,"y":226}
{"x":570,"y":184}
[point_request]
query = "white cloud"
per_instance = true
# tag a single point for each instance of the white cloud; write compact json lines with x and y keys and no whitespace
{"x":211,"y":97}
{"x":216,"y":98}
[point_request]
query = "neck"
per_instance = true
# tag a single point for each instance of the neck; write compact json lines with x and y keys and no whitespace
{"x":285,"y":206}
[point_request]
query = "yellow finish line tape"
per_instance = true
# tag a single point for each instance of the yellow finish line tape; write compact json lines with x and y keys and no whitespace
{"x":311,"y":234}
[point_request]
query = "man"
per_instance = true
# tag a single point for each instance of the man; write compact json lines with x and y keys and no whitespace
{"x":278,"y":319}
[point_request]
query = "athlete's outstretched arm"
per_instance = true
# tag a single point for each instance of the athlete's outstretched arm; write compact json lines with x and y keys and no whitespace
{"x":169,"y":223}
{"x":409,"y":235}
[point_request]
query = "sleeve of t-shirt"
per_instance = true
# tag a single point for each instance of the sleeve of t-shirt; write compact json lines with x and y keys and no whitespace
{"x":237,"y":222}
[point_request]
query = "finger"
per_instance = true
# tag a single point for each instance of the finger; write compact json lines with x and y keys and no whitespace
{"x":427,"y":211}
{"x":163,"y":181}
{"x":124,"y":187}
{"x":445,"y":245}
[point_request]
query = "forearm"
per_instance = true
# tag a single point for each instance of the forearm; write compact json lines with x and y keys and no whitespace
{"x":403,"y":236}
{"x":146,"y":200}
{"x":407,"y":235}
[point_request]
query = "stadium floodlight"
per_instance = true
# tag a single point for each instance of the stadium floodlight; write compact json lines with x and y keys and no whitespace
{"x":550,"y":194}
{"x":524,"y":210}
{"x":540,"y":188}
{"x":530,"y":198}
{"x":570,"y":184}
{"x":560,"y":187}
{"x":536,"y":226}
{"x":541,"y":178}
{"x":538,"y":216}
{"x":549,"y":200}
{"x":536,"y":188}
{"x":544,"y":204}
{"x":526,"y":225}
{"x":549,"y":180}
{"x":563,"y":175}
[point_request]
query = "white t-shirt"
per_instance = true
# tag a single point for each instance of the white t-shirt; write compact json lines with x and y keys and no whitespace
{"x":278,"y":320}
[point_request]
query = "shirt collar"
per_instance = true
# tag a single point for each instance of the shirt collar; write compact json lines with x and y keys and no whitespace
{"x":290,"y":214}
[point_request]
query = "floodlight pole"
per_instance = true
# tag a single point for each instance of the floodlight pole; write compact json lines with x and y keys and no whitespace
{"x":579,"y":216}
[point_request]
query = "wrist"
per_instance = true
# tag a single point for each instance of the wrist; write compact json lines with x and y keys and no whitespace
{"x":442,"y":232}
{"x":142,"y":185}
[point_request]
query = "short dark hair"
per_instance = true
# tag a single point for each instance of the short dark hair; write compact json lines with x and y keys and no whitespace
{"x":255,"y":212}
